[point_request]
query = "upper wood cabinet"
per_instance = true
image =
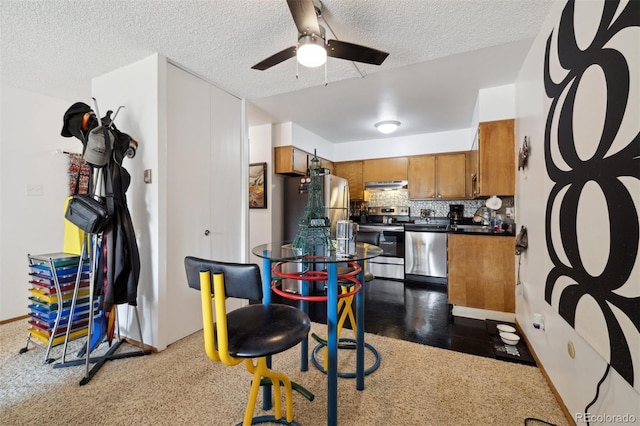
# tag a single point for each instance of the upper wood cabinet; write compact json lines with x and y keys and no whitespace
{"x":451,"y":175}
{"x":441,"y":176}
{"x":325,"y":164}
{"x":422,"y":177}
{"x":352,"y":172}
{"x":481,"y":272}
{"x":385,"y":169}
{"x":289,"y":160}
{"x":496,"y":158}
{"x":292,"y":161}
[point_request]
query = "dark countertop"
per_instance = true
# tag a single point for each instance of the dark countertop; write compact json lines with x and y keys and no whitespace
{"x":466,"y":230}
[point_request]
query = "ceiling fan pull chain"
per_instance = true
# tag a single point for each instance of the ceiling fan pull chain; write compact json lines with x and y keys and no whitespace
{"x":325,"y":75}
{"x":297,"y":69}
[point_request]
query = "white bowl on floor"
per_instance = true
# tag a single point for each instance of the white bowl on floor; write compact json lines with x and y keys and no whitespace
{"x":506,"y":328}
{"x":509,"y":338}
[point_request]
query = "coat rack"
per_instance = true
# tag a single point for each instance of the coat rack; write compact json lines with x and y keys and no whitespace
{"x":108,"y":179}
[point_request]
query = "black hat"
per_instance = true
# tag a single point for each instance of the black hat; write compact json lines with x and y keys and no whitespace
{"x":73,"y":120}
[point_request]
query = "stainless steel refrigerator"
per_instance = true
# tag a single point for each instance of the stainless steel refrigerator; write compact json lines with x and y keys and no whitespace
{"x":335,"y":196}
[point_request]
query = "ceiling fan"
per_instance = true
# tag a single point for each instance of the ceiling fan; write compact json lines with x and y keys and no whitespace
{"x":313,"y":48}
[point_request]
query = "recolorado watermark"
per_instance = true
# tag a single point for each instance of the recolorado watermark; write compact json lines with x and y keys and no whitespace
{"x":605,"y":418}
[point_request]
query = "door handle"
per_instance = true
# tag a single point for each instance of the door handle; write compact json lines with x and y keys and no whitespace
{"x":206,"y":232}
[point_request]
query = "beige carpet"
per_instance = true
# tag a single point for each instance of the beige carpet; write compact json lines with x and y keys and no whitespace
{"x":415,"y":385}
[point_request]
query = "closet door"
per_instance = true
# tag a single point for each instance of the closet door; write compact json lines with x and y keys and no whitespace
{"x":229,"y":179}
{"x":189,"y":195}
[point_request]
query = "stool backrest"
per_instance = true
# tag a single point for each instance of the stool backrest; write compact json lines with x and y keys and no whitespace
{"x":216,"y":281}
{"x":370,"y":237}
{"x":241,"y":280}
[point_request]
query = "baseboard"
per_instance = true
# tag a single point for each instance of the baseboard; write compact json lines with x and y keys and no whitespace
{"x":7,"y":321}
{"x":136,"y":343}
{"x":127,"y":339}
{"x":563,"y":407}
{"x":482,"y":314}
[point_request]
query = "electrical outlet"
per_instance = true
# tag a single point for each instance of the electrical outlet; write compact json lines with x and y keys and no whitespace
{"x":34,"y":190}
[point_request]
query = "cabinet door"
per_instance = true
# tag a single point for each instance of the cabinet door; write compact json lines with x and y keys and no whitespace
{"x":326,"y":164}
{"x":289,"y":160}
{"x":497,"y":158}
{"x":471,"y":186}
{"x":352,"y":172}
{"x":481,"y":272}
{"x":451,"y":175}
{"x":384,"y":169}
{"x":422,"y":177}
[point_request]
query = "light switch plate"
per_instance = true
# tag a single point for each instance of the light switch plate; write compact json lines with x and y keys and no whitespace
{"x":34,"y":189}
{"x":147,"y":176}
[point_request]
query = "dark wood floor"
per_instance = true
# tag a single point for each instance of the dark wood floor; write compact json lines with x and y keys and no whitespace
{"x":416,"y":312}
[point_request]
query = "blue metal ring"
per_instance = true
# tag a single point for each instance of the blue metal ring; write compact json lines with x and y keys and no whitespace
{"x":368,"y":371}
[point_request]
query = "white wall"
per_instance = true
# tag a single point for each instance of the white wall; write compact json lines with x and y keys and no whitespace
{"x":428,"y":143}
{"x":260,"y":220}
{"x":30,"y":154}
{"x":496,"y":103}
{"x":293,"y":134}
{"x":136,"y":86}
{"x":575,"y":379}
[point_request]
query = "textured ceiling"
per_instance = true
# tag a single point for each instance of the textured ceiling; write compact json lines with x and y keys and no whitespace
{"x":55,"y":47}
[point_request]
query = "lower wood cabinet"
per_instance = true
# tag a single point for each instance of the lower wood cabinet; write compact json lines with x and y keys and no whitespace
{"x":481,"y":272}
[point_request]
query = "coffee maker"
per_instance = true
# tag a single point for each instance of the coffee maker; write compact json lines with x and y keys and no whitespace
{"x":456,"y":213}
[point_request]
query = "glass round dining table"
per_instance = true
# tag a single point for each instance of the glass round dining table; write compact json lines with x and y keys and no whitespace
{"x":282,"y":252}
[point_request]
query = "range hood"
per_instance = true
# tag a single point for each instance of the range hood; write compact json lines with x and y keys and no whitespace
{"x":385,"y":185}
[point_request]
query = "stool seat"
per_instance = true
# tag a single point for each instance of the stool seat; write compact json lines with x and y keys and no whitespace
{"x":260,"y":330}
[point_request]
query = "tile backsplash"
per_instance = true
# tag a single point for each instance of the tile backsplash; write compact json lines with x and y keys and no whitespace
{"x":400,"y":197}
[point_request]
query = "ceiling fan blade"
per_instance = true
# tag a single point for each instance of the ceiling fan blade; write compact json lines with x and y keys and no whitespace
{"x":355,"y":52}
{"x":272,"y":60}
{"x":304,"y":15}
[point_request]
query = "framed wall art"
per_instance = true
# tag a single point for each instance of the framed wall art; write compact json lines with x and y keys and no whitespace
{"x":258,"y":186}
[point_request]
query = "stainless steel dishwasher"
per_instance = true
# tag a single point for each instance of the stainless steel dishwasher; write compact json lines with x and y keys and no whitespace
{"x":425,"y":255}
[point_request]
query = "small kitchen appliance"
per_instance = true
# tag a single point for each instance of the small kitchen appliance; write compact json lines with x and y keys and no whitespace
{"x":456,"y":213}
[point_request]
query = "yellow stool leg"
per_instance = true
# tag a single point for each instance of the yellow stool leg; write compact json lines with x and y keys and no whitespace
{"x":346,"y":305}
{"x":253,"y":394}
{"x":278,"y":378}
{"x":260,"y":370}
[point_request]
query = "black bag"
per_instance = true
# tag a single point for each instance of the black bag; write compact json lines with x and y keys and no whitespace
{"x":87,"y":213}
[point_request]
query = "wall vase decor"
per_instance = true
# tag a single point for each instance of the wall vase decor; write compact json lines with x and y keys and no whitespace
{"x":258,"y":186}
{"x":591,"y":148}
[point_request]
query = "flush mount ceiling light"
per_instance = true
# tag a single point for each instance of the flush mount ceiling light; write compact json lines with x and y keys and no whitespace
{"x":311,"y":52}
{"x":387,"y":126}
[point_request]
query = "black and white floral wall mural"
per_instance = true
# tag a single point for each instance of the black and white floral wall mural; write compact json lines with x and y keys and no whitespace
{"x":592,"y":157}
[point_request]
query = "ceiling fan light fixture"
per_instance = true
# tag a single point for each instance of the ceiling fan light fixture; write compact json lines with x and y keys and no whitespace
{"x":387,"y":126}
{"x":311,"y":52}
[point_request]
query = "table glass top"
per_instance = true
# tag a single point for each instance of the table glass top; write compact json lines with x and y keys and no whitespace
{"x":278,"y":251}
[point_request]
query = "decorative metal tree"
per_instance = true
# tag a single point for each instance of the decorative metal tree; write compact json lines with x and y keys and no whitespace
{"x":314,"y":229}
